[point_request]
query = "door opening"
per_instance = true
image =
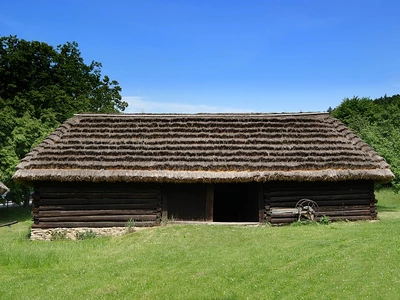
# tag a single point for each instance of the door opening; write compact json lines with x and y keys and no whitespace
{"x":235,"y":202}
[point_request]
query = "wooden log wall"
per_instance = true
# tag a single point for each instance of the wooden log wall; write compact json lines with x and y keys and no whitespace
{"x":95,"y":204}
{"x":348,"y":200}
{"x":186,"y":202}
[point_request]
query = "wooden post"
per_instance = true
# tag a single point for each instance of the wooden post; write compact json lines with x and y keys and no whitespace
{"x":261,"y":204}
{"x":164,"y":213}
{"x":209,"y":209}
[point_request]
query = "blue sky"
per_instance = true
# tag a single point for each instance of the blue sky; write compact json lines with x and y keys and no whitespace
{"x":226,"y":56}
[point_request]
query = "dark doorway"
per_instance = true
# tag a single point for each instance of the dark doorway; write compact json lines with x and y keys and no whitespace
{"x":236,"y":202}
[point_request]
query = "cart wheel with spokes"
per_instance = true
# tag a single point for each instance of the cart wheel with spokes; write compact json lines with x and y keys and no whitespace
{"x":307,"y":208}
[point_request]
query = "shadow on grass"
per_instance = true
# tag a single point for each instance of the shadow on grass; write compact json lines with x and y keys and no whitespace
{"x":20,"y":214}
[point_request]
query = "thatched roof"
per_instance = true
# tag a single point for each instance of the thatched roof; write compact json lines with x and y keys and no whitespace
{"x":203,"y":148}
{"x":3,"y":188}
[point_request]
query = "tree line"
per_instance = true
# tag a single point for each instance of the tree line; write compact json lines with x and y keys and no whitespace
{"x":377,"y":122}
{"x":41,"y":86}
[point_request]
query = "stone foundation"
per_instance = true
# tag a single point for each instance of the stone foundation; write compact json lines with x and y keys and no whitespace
{"x":71,"y":233}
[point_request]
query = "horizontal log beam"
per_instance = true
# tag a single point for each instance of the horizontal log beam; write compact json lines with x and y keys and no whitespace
{"x":56,"y":213}
{"x":100,"y":188}
{"x":283,"y":213}
{"x":351,"y":218}
{"x":285,"y":185}
{"x":283,"y":197}
{"x":311,"y":193}
{"x":99,"y":206}
{"x":283,"y":220}
{"x":343,"y":202}
{"x":366,"y":212}
{"x":117,"y":218}
{"x":89,"y":224}
{"x":349,"y":207}
{"x":98,"y":200}
{"x":95,"y":195}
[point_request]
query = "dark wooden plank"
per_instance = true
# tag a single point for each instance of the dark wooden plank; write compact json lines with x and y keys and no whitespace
{"x":345,"y":207}
{"x":164,"y":213}
{"x":344,"y":213}
{"x":320,"y":192}
{"x":117,"y":218}
{"x":98,"y":206}
{"x":339,"y":185}
{"x":89,"y":224}
{"x":186,"y":201}
{"x":49,"y":187}
{"x":351,"y":218}
{"x":346,"y":197}
{"x":97,"y":189}
{"x":95,"y":195}
{"x":261,"y":203}
{"x":55,"y":213}
{"x":209,"y":211}
{"x":98,"y":200}
{"x":343,"y":202}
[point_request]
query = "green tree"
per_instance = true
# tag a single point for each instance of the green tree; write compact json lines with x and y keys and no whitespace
{"x":378,"y":123}
{"x":40,"y":87}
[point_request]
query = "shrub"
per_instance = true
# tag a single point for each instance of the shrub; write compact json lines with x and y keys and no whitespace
{"x":303,"y":222}
{"x":58,"y":235}
{"x":325,"y":220}
{"x":130,"y":225}
{"x":87,"y":234}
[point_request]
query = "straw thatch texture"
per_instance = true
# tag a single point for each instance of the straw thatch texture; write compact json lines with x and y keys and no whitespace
{"x":3,"y":188}
{"x":203,"y":148}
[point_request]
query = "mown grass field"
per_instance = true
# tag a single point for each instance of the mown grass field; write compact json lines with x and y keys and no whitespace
{"x":359,"y":260}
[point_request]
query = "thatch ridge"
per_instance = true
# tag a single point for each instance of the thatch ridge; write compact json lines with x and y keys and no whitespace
{"x":202,"y":115}
{"x":203,"y":147}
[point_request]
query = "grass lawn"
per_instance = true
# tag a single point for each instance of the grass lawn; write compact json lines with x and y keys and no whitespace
{"x":358,"y":260}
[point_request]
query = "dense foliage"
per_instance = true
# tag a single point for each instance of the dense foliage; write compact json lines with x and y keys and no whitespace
{"x":40,"y":87}
{"x":378,"y":123}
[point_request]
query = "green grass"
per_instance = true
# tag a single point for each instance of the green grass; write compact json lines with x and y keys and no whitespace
{"x":387,"y":201}
{"x":358,"y":260}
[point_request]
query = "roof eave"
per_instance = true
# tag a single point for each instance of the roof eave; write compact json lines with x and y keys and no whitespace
{"x":26,"y":176}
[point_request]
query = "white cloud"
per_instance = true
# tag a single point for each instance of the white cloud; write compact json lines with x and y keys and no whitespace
{"x":141,"y":105}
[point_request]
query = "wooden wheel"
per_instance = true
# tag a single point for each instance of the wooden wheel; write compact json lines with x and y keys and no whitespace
{"x":307,"y":208}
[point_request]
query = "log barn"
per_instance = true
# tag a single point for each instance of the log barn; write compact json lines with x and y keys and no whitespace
{"x":101,"y":170}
